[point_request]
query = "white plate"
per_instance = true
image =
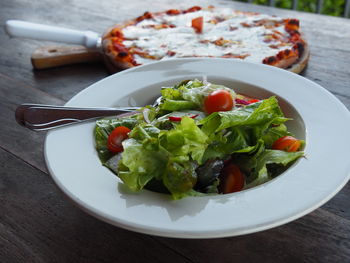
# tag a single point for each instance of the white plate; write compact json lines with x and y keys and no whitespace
{"x":320,"y":119}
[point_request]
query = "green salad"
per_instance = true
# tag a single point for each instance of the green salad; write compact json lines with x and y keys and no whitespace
{"x":201,"y":139}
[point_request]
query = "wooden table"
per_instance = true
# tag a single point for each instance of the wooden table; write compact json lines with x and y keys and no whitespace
{"x":37,"y":222}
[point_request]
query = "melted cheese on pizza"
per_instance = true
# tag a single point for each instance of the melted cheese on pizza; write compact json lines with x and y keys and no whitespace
{"x":225,"y":33}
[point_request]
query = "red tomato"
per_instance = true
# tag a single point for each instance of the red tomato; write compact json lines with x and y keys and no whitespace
{"x":116,"y":137}
{"x":287,"y":143}
{"x":219,"y":100}
{"x":173,"y":12}
{"x":197,"y":24}
{"x":253,"y":101}
{"x":231,"y":179}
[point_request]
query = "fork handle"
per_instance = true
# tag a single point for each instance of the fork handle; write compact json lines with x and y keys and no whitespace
{"x":44,"y":117}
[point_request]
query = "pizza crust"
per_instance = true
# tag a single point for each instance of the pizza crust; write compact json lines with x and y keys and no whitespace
{"x":114,"y":64}
{"x":302,"y":61}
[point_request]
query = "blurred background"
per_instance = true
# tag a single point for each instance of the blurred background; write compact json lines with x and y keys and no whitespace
{"x":326,"y":7}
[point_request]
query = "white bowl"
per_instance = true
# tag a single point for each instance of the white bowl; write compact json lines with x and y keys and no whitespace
{"x":319,"y":118}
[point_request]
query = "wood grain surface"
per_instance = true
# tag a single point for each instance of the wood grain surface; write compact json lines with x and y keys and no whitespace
{"x":37,"y":222}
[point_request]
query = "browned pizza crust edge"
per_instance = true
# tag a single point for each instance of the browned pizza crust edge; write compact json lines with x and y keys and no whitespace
{"x":302,"y":61}
{"x":113,"y":65}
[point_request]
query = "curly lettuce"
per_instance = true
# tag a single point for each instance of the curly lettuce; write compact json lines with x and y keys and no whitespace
{"x":177,"y":148}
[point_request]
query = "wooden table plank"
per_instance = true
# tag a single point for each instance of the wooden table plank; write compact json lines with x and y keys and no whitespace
{"x":334,"y":78}
{"x":63,"y":82}
{"x":65,"y":87}
{"x":339,"y":204}
{"x":26,"y":144}
{"x":37,"y":224}
{"x":318,"y":237}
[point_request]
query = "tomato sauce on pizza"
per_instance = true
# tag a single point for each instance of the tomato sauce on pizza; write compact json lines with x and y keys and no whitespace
{"x":207,"y":32}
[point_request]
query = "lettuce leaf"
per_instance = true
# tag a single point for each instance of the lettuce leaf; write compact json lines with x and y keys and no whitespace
{"x":180,"y":178}
{"x":169,"y":156}
{"x":103,"y":128}
{"x":177,"y":105}
{"x":240,"y":130}
{"x":185,"y":140}
{"x":175,"y":93}
{"x":197,"y":95}
{"x":189,"y":95}
{"x":139,"y":165}
{"x":257,"y":165}
{"x":259,"y":113}
{"x":273,"y":133}
{"x":173,"y":99}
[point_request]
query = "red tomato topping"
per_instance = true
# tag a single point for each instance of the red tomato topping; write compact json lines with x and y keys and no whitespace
{"x":219,"y":100}
{"x":117,"y":32}
{"x":197,"y":24}
{"x":120,"y":48}
{"x":173,"y":12}
{"x":116,"y":137}
{"x":291,"y":24}
{"x":287,"y":143}
{"x":193,"y":9}
{"x":231,"y":179}
{"x":295,"y":38}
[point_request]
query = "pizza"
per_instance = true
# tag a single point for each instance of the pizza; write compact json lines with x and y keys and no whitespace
{"x":207,"y":32}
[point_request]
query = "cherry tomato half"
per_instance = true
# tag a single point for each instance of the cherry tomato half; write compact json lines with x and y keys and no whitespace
{"x":287,"y":143}
{"x":231,"y":179}
{"x":116,"y":137}
{"x":253,"y":101}
{"x":218,"y":100}
{"x":197,"y":24}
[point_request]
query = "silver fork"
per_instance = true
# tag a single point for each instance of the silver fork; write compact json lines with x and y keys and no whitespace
{"x":39,"y":117}
{"x":45,"y":117}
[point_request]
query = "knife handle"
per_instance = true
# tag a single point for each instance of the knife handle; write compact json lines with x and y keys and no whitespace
{"x":18,"y":28}
{"x":55,"y":56}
